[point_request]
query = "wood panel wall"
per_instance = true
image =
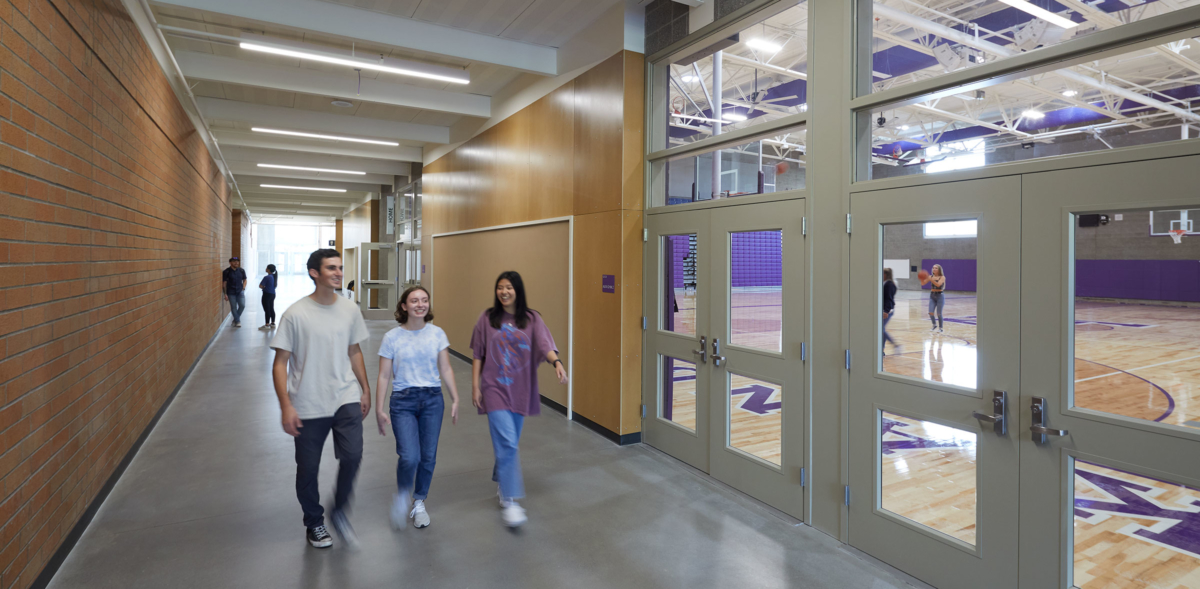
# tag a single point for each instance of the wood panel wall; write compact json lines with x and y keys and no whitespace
{"x":575,"y":152}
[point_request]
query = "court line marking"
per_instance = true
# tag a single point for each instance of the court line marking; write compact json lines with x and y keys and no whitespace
{"x":1131,"y":370}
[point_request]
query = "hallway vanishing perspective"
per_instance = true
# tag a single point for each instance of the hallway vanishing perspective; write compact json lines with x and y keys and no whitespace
{"x":209,"y":502}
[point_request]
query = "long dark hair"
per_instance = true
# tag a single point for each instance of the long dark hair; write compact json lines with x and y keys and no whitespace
{"x":402,"y":315}
{"x":270,"y":268}
{"x":497,"y":310}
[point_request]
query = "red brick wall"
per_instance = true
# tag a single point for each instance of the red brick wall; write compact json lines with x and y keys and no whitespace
{"x":114,"y":227}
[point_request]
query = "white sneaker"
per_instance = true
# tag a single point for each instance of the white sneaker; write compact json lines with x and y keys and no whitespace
{"x":513,"y":515}
{"x":940,"y":330}
{"x":400,"y":510}
{"x":934,"y":328}
{"x":419,"y":516}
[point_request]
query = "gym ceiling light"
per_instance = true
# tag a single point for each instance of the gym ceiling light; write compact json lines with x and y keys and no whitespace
{"x":1033,"y":114}
{"x":301,"y":168}
{"x":301,"y":188}
{"x":320,"y":136}
{"x":1042,"y":13}
{"x":349,"y":58}
{"x":764,"y":45}
{"x":733,"y":117}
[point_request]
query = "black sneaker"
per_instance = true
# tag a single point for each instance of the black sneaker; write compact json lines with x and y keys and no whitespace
{"x":319,"y":537}
{"x":341,"y":525}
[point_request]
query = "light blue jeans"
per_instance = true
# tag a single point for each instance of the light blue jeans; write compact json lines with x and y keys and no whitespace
{"x":237,"y":304}
{"x":505,"y":427}
{"x":416,"y":422}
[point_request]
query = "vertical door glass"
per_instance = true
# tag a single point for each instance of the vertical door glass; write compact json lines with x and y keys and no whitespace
{"x":756,"y":417}
{"x":1137,"y":307}
{"x":681,"y":283}
{"x":928,"y":474}
{"x":1134,"y":531}
{"x":677,"y":400}
{"x":928,"y":295}
{"x":756,"y":289}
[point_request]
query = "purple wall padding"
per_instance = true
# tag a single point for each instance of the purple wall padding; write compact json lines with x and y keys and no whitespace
{"x":757,"y":258}
{"x":679,"y":251}
{"x":960,"y":274}
{"x":1152,"y":280}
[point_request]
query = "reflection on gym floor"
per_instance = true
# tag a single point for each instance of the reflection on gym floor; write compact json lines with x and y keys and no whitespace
{"x":948,"y":356}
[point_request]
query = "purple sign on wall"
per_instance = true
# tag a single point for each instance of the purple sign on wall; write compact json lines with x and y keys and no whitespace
{"x":608,"y":283}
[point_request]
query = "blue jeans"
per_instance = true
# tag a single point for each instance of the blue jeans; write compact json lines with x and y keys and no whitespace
{"x":416,"y":422}
{"x":887,"y":338}
{"x":505,"y":427}
{"x":237,"y":304}
{"x":347,"y":429}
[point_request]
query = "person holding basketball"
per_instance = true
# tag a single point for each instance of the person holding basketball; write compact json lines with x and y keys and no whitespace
{"x":889,"y":305}
{"x":937,"y":300}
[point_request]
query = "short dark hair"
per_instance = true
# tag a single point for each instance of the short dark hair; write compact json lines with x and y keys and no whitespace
{"x":402,"y":315}
{"x":234,"y":259}
{"x":315,"y":259}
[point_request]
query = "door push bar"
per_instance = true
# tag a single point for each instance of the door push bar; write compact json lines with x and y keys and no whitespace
{"x":1039,"y":429}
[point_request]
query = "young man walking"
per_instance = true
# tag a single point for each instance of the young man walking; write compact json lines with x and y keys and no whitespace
{"x":233,"y":284}
{"x":317,"y":364}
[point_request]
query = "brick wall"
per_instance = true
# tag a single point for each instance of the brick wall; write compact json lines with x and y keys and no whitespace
{"x":114,"y":226}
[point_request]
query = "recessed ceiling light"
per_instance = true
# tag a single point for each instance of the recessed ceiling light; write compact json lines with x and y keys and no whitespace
{"x":320,"y":136}
{"x":732,"y":116}
{"x":326,"y":55}
{"x":312,"y":169}
{"x":301,"y":188}
{"x":1042,"y":13}
{"x":1069,"y":93}
{"x":1033,"y":114}
{"x":903,"y":127}
{"x":342,"y":103}
{"x":763,"y":44}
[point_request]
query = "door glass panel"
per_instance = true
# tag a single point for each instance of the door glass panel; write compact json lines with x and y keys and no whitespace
{"x":930,"y":332}
{"x":929,"y":474}
{"x":756,"y":417}
{"x":1134,"y":531}
{"x":756,"y":289}
{"x":1137,"y":305}
{"x":680,"y":283}
{"x":772,"y":163}
{"x":678,"y":401}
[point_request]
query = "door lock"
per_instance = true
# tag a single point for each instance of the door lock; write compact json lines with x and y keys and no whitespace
{"x":702,"y":352}
{"x":1000,"y":412}
{"x":716,"y":354}
{"x":1039,"y":429}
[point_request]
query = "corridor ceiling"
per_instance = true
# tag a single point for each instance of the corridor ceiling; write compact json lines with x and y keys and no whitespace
{"x":238,"y":90}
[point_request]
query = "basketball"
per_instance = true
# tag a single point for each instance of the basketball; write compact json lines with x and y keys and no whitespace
{"x":923,"y":275}
{"x":780,"y":168}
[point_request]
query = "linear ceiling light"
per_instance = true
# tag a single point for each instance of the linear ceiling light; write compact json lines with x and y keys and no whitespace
{"x":1033,"y":114}
{"x":1042,"y":13}
{"x":320,"y":136}
{"x":733,"y":116}
{"x":312,"y":169}
{"x":765,"y":45}
{"x":329,"y":55}
{"x":301,"y":188}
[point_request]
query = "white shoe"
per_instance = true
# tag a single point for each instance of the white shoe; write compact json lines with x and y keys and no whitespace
{"x":940,"y":330}
{"x":419,"y":516}
{"x":264,"y":328}
{"x":513,"y":515}
{"x":400,"y":510}
{"x":932,"y":329}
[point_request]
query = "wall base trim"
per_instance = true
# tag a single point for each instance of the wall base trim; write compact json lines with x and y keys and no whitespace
{"x":68,"y":544}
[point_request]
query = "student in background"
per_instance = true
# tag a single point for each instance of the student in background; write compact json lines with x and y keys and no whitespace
{"x":889,"y":307}
{"x":509,"y":342}
{"x":414,"y":361}
{"x":233,"y":286}
{"x":268,"y":284}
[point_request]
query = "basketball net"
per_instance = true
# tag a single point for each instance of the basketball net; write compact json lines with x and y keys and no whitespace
{"x":1177,"y":235}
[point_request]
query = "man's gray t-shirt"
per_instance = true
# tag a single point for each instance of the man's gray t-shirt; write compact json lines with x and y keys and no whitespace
{"x":319,"y":337}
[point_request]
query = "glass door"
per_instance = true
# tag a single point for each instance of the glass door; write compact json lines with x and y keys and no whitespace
{"x":756,"y":364}
{"x":933,"y":447}
{"x":1110,"y":413}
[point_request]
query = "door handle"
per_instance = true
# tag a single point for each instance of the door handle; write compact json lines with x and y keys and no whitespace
{"x":702,"y":352}
{"x":997,"y":419}
{"x":716,"y":354}
{"x":1039,"y":429}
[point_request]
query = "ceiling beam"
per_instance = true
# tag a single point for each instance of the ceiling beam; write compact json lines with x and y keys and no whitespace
{"x":294,"y":119}
{"x":214,"y":68}
{"x":308,"y":160}
{"x":264,"y":141}
{"x":354,"y":23}
{"x":242,"y":169}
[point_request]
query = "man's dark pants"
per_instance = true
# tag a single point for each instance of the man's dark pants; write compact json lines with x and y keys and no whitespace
{"x":347,"y":429}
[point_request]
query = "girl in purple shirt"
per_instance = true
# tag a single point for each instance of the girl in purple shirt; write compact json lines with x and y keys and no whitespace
{"x":509,"y":342}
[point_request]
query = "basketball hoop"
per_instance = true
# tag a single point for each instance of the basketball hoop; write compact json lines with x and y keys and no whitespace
{"x":1177,"y":235}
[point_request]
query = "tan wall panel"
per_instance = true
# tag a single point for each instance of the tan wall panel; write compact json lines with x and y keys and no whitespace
{"x":632,"y":136}
{"x":552,"y":155}
{"x":629,"y":285}
{"x":597,"y":373}
{"x":598,"y":103}
{"x":465,"y":267}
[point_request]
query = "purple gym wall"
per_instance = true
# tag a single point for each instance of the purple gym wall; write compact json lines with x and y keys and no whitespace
{"x":960,"y":274}
{"x":1150,"y":280}
{"x":757,"y":258}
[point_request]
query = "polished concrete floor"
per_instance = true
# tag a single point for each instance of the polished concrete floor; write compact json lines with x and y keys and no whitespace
{"x":208,"y":502}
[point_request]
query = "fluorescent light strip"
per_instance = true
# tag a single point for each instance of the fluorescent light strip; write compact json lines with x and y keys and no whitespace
{"x":312,"y":169}
{"x":319,"y":136}
{"x":764,"y":45}
{"x":356,"y":63}
{"x":734,"y":117}
{"x":301,"y":188}
{"x":1042,"y":13}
